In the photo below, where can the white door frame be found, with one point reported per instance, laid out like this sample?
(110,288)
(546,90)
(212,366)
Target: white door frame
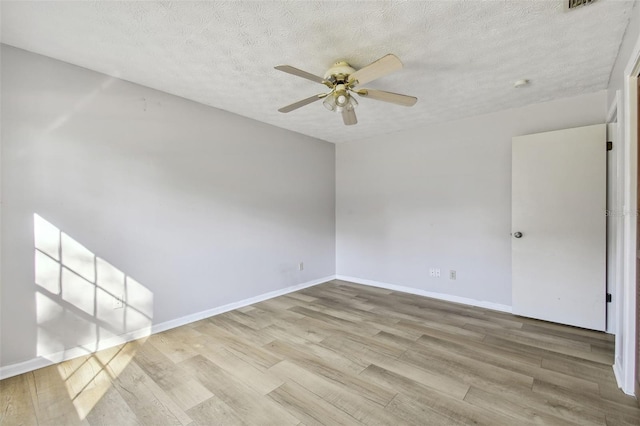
(614,220)
(624,366)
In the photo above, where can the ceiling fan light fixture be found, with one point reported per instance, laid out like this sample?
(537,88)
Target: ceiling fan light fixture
(339,103)
(351,104)
(340,100)
(329,103)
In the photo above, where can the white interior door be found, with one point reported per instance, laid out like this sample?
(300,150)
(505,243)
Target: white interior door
(559,226)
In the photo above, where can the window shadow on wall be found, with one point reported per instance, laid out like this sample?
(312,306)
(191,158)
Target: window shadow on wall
(85,304)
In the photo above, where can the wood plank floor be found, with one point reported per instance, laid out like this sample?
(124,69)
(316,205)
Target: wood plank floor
(337,353)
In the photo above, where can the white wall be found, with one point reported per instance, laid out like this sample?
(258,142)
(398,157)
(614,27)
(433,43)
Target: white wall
(195,206)
(440,196)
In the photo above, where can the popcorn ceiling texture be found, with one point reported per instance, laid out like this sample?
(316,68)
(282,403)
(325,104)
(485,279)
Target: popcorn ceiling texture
(461,57)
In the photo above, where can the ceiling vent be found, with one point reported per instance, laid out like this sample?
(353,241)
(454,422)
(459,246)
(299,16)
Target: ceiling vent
(575,4)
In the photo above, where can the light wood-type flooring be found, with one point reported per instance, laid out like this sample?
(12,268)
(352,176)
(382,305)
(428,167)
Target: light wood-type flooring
(337,353)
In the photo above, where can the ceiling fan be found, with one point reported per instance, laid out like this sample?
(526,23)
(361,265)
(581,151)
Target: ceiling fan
(342,79)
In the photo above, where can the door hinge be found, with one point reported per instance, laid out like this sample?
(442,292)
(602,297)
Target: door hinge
(609,146)
(608,297)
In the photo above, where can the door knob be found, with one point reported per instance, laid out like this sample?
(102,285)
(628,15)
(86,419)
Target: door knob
(517,234)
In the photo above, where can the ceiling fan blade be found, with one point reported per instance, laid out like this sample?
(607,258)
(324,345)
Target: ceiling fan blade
(302,103)
(383,66)
(349,117)
(394,98)
(295,71)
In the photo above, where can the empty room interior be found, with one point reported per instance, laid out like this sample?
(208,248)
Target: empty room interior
(319,212)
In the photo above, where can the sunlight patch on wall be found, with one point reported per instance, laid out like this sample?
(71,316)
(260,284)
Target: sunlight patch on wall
(84,302)
(80,104)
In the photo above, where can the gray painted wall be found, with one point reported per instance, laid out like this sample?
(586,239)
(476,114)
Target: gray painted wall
(177,206)
(440,196)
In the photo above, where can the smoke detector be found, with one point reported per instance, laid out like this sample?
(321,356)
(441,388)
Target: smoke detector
(575,4)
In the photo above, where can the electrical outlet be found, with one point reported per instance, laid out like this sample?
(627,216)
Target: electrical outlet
(118,302)
(452,274)
(432,272)
(437,272)
(301,266)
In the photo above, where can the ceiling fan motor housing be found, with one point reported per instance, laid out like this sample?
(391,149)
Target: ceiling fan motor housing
(339,71)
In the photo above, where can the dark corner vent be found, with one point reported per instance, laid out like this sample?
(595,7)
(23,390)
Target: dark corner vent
(574,4)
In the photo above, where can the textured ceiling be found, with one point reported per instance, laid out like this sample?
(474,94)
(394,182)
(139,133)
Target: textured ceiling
(461,57)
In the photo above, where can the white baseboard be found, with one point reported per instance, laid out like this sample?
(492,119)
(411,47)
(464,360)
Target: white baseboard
(440,296)
(44,361)
(235,305)
(617,371)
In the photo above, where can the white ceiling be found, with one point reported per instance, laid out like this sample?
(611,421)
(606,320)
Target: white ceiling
(461,57)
